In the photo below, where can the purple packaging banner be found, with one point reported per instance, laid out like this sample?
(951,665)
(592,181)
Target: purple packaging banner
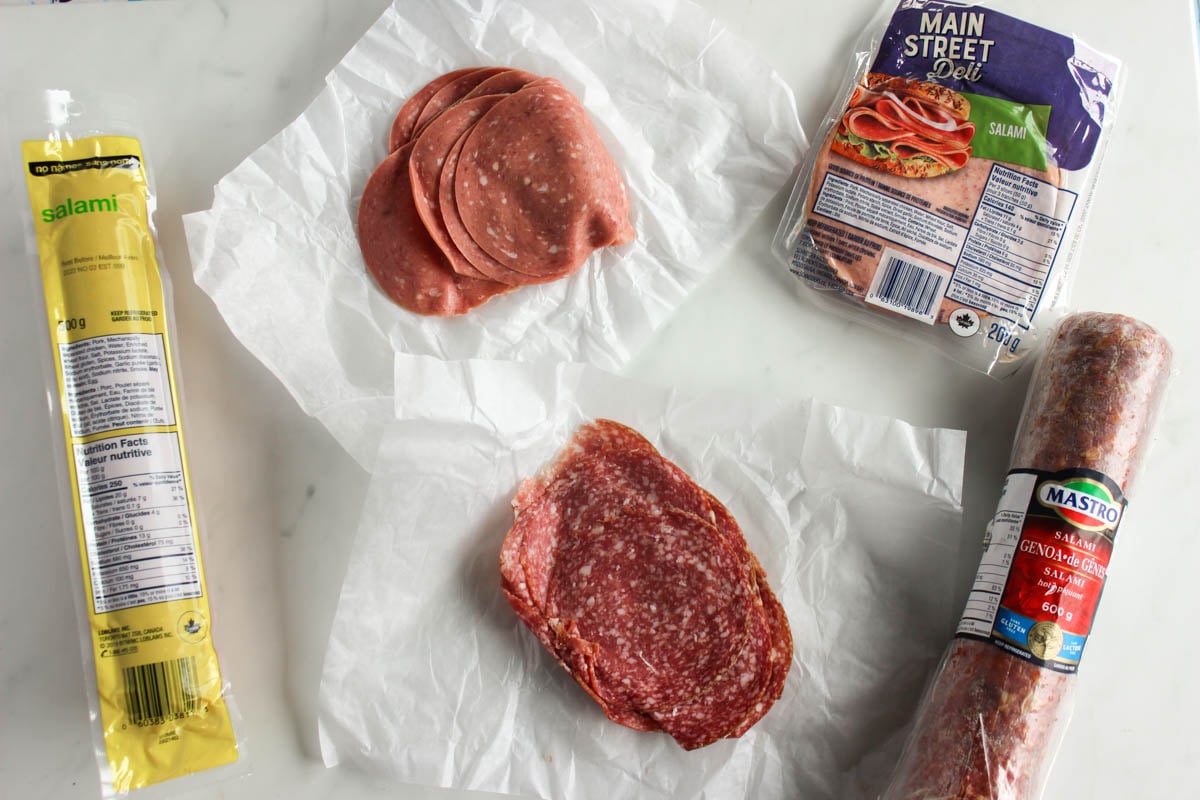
(974,49)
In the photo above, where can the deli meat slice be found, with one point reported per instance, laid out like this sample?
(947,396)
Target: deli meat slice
(475,140)
(406,118)
(535,185)
(430,153)
(641,585)
(453,91)
(399,253)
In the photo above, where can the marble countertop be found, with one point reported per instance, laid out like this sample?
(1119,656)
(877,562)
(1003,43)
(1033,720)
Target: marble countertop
(278,498)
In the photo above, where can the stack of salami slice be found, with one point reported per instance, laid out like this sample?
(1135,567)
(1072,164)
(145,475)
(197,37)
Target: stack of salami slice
(642,586)
(496,178)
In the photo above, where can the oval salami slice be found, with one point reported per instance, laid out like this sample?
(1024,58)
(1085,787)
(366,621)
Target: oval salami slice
(403,260)
(406,118)
(663,599)
(505,82)
(429,157)
(453,91)
(535,185)
(470,249)
(642,586)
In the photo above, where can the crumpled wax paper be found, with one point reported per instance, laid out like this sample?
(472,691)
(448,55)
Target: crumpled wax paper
(430,678)
(704,132)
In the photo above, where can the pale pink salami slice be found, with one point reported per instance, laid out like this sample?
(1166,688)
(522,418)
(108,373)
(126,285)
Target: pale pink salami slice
(453,91)
(403,260)
(535,186)
(406,118)
(470,249)
(429,156)
(505,82)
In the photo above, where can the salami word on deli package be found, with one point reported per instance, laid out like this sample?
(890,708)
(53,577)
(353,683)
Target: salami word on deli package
(665,88)
(948,196)
(431,676)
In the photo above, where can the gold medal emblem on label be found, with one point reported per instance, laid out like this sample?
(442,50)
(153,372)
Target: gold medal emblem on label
(1045,640)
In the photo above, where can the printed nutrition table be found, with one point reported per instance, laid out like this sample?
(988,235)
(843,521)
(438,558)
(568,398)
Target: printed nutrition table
(140,542)
(140,545)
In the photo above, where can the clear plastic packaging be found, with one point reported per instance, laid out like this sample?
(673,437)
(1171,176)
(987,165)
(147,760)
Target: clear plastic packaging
(993,716)
(946,197)
(159,706)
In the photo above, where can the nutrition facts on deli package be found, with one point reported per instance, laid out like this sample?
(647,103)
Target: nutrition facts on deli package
(1011,245)
(133,498)
(137,525)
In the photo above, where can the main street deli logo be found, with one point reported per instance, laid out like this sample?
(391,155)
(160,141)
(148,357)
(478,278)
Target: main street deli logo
(1086,504)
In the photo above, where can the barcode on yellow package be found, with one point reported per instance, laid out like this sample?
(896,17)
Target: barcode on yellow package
(159,697)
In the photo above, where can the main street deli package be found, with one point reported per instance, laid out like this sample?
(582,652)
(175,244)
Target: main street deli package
(702,131)
(947,199)
(430,677)
(160,708)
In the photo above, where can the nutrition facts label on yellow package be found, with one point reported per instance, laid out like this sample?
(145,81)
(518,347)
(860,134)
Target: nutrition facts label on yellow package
(159,694)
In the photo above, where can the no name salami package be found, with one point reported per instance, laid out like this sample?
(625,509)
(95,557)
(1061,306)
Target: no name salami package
(948,196)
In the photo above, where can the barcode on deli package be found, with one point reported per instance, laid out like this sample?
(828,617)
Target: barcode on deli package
(908,286)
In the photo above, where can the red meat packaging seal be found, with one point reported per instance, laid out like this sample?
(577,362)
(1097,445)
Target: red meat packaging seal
(702,131)
(947,194)
(430,677)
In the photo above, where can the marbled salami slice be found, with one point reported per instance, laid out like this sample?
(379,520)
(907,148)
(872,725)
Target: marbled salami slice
(700,658)
(663,598)
(406,118)
(535,185)
(728,700)
(403,260)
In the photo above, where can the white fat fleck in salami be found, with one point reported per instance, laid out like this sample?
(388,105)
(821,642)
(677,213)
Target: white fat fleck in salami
(401,257)
(528,136)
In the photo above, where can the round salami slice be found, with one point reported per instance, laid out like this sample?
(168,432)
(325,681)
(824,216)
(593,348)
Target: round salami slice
(727,701)
(453,91)
(535,186)
(779,659)
(663,599)
(619,563)
(406,118)
(462,240)
(403,260)
(429,153)
(505,82)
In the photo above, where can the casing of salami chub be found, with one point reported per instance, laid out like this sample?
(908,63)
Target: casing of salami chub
(999,702)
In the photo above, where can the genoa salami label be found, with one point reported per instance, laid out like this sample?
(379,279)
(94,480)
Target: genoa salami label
(1044,565)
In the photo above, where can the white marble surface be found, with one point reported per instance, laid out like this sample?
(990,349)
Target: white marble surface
(278,498)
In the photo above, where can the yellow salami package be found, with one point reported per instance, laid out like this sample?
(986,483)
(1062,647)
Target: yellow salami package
(160,707)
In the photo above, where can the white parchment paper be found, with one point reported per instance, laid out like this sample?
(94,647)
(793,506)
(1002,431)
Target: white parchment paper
(430,678)
(704,132)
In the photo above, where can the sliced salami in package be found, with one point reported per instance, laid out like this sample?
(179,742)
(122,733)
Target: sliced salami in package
(948,196)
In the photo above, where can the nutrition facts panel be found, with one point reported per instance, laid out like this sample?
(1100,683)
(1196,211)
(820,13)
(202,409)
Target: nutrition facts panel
(1012,244)
(983,603)
(137,526)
